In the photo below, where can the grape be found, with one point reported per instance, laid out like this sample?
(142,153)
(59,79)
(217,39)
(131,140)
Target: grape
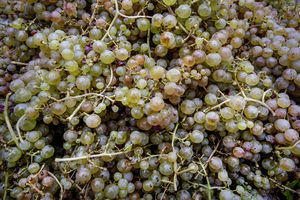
(237,103)
(213,59)
(282,125)
(166,168)
(287,164)
(170,2)
(33,136)
(183,11)
(204,10)
(107,57)
(143,24)
(97,185)
(14,154)
(188,107)
(111,191)
(47,151)
(227,113)
(93,121)
(83,175)
(216,163)
(83,83)
(196,136)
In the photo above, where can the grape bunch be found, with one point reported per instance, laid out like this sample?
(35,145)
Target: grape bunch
(149,99)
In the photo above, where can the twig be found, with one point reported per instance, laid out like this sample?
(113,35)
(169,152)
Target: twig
(212,153)
(5,185)
(18,127)
(110,81)
(217,106)
(174,136)
(39,170)
(254,100)
(283,186)
(207,180)
(36,189)
(264,95)
(7,121)
(61,187)
(76,110)
(18,63)
(148,43)
(113,20)
(89,156)
(289,147)
(134,17)
(261,103)
(175,163)
(80,96)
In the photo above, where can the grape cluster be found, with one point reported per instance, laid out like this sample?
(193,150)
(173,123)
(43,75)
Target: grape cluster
(157,99)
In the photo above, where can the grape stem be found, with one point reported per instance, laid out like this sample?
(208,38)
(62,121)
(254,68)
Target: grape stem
(254,100)
(18,127)
(148,43)
(217,106)
(6,175)
(110,81)
(35,188)
(212,154)
(283,186)
(18,63)
(175,163)
(89,156)
(7,121)
(289,147)
(61,187)
(207,180)
(80,96)
(76,110)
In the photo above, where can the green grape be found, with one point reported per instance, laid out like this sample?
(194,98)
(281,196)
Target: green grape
(47,152)
(196,136)
(87,138)
(107,57)
(213,59)
(111,191)
(143,24)
(33,136)
(287,164)
(33,168)
(67,54)
(210,99)
(83,83)
(14,154)
(97,185)
(183,11)
(188,107)
(148,185)
(252,79)
(173,75)
(99,46)
(166,168)
(93,121)
(170,2)
(168,40)
(204,10)
(227,113)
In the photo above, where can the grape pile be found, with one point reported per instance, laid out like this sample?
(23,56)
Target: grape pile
(149,99)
